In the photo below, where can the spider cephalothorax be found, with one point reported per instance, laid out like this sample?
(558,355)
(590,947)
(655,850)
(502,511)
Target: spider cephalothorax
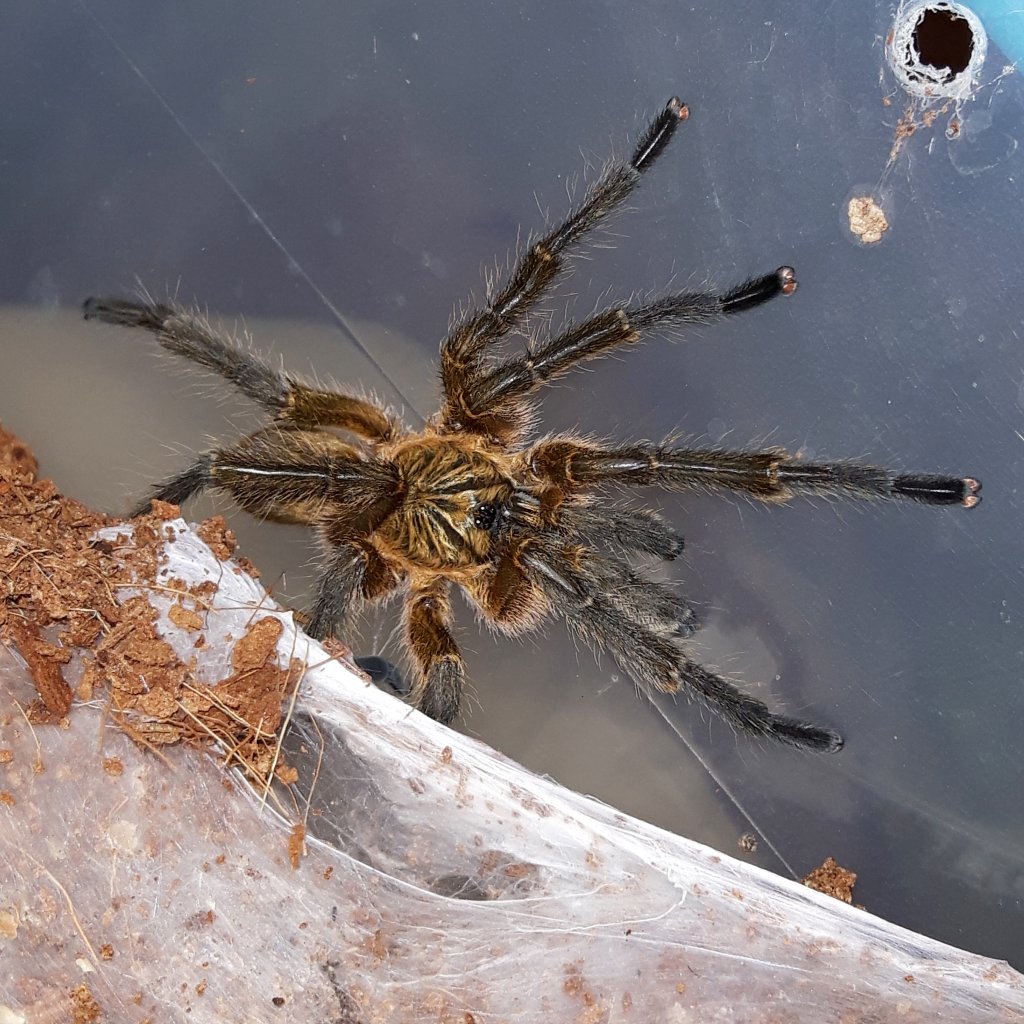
(527,531)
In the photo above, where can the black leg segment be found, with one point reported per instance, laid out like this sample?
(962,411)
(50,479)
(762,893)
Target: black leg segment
(338,592)
(180,488)
(536,270)
(650,650)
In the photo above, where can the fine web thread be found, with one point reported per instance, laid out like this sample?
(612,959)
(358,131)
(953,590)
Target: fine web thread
(336,314)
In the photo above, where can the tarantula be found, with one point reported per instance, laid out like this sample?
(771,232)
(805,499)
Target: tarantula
(527,530)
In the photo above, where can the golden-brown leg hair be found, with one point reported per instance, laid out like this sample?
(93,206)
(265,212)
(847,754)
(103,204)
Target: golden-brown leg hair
(768,475)
(534,272)
(507,598)
(380,579)
(440,673)
(310,406)
(186,333)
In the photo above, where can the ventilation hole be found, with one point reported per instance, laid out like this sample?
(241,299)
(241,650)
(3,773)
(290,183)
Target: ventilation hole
(936,49)
(944,41)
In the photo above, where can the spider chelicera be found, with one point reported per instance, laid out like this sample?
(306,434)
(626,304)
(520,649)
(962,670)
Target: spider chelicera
(526,530)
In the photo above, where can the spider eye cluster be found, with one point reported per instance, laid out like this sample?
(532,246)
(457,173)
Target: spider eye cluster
(484,515)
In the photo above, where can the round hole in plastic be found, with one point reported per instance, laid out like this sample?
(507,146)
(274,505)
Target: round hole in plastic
(944,40)
(936,48)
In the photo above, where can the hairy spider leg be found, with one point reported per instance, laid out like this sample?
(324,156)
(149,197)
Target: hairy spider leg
(353,573)
(577,586)
(639,599)
(630,530)
(770,475)
(338,591)
(292,475)
(533,273)
(610,329)
(440,673)
(292,400)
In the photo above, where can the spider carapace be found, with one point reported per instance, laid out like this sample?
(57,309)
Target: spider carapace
(528,530)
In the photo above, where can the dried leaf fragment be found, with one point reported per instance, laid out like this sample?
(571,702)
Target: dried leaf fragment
(259,643)
(44,661)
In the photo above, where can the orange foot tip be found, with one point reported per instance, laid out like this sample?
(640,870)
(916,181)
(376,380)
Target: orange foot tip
(971,496)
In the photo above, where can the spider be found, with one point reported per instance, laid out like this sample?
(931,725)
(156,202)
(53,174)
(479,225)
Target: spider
(526,529)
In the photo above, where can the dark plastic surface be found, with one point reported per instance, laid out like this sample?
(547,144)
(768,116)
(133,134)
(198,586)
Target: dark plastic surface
(346,170)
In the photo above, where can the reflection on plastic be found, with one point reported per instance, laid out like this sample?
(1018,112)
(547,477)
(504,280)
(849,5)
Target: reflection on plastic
(384,672)
(448,884)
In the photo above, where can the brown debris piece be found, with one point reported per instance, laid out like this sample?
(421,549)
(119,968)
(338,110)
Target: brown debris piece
(84,1008)
(296,844)
(905,127)
(832,880)
(51,575)
(144,677)
(185,618)
(164,510)
(63,590)
(259,643)
(255,697)
(908,125)
(244,565)
(43,661)
(157,703)
(17,464)
(83,629)
(218,537)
